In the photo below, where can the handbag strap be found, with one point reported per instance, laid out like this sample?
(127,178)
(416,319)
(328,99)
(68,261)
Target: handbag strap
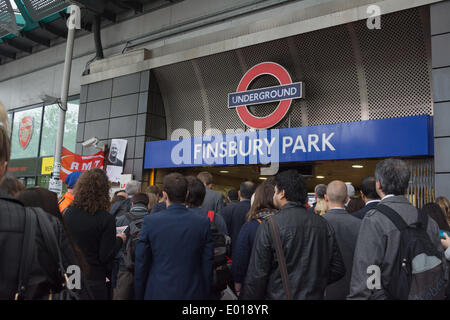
(280,256)
(48,234)
(50,239)
(28,252)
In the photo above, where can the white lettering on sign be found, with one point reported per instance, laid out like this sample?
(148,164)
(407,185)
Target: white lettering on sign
(86,166)
(312,142)
(287,142)
(278,93)
(240,146)
(299,145)
(326,142)
(74,166)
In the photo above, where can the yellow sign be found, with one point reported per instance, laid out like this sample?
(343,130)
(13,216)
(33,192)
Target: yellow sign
(47,165)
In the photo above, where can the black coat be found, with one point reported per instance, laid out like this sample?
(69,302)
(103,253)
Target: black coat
(313,258)
(362,212)
(346,228)
(95,235)
(44,268)
(234,216)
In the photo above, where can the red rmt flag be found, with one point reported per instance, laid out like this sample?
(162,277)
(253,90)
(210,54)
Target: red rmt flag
(71,162)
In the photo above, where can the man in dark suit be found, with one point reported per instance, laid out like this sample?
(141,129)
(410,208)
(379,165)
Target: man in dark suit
(214,201)
(234,214)
(174,254)
(346,228)
(369,195)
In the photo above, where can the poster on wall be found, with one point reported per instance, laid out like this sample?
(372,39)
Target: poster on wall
(116,158)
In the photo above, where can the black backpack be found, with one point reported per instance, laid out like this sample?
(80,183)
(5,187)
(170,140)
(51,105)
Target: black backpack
(222,273)
(420,270)
(133,233)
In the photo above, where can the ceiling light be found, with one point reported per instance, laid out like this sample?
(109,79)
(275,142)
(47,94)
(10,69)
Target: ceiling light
(348,183)
(262,178)
(357,166)
(320,177)
(224,171)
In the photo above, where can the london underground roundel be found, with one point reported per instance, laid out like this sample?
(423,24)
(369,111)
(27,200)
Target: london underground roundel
(284,93)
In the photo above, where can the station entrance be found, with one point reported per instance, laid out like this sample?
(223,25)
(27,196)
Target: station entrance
(420,191)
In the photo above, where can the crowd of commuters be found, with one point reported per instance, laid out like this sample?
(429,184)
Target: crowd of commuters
(187,241)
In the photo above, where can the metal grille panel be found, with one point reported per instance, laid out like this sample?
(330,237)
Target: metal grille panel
(421,184)
(332,92)
(39,9)
(398,80)
(7,19)
(178,84)
(215,84)
(393,61)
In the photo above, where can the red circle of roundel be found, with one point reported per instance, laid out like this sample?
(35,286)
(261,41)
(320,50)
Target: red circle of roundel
(273,69)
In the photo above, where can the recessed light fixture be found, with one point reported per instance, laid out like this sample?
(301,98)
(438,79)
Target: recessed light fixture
(224,171)
(357,166)
(320,177)
(262,178)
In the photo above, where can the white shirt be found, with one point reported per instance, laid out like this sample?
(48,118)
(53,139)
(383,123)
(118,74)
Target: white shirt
(372,201)
(335,208)
(387,196)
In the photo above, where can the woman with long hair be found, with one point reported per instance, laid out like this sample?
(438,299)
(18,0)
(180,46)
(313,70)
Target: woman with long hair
(94,229)
(444,203)
(262,208)
(434,211)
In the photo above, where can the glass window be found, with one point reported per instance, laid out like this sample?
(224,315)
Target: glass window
(26,133)
(50,128)
(30,182)
(10,115)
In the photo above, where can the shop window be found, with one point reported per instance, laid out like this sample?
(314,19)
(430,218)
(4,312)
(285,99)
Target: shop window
(10,115)
(26,133)
(50,125)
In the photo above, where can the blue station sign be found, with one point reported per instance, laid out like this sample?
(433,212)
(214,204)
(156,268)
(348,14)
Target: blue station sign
(407,136)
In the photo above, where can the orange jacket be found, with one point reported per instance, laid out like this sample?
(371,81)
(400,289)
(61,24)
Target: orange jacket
(65,201)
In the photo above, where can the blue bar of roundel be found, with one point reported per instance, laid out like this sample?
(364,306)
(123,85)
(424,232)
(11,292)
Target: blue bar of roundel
(296,85)
(403,137)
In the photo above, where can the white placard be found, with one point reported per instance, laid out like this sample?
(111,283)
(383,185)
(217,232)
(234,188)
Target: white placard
(55,186)
(116,158)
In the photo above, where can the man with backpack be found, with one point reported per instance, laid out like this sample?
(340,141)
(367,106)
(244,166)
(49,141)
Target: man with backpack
(398,253)
(29,267)
(222,273)
(122,207)
(133,223)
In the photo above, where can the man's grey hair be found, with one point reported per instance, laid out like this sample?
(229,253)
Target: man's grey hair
(393,175)
(350,190)
(320,190)
(132,187)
